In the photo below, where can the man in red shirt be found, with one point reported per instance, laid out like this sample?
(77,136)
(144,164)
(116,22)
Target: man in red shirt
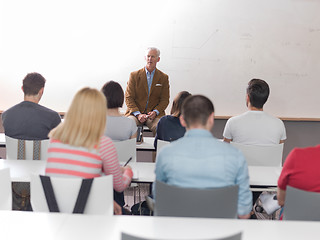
(301,170)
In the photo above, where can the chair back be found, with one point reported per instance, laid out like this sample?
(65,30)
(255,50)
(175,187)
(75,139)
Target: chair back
(126,236)
(160,145)
(5,187)
(261,155)
(126,149)
(66,190)
(193,202)
(26,149)
(301,205)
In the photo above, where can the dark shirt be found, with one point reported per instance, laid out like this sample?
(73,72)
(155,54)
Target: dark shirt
(29,121)
(169,129)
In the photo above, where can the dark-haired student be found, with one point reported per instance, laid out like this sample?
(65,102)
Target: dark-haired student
(118,127)
(255,127)
(199,160)
(29,120)
(169,127)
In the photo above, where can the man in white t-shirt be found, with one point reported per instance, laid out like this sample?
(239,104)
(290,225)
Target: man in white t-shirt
(255,127)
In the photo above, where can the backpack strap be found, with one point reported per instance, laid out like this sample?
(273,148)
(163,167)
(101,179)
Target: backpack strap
(36,150)
(83,195)
(51,199)
(48,191)
(21,151)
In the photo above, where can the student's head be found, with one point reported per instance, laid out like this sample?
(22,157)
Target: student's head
(177,103)
(85,120)
(114,94)
(197,112)
(33,83)
(258,93)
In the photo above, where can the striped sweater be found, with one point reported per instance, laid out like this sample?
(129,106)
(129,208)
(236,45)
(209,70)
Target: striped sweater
(69,161)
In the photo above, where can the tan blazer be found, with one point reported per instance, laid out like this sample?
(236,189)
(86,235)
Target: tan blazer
(136,95)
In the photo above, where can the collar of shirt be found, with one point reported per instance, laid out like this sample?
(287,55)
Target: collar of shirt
(150,73)
(198,133)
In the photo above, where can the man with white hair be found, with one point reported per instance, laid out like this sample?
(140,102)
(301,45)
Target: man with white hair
(147,93)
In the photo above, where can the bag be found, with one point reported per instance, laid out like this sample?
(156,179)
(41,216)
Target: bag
(141,208)
(21,190)
(21,196)
(266,207)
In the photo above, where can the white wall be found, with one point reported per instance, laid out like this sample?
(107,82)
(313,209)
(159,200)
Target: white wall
(212,47)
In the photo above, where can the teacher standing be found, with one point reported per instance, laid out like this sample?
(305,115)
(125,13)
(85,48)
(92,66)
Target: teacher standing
(147,93)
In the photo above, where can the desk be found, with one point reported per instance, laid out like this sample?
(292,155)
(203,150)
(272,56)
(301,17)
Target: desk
(146,145)
(2,140)
(53,226)
(259,176)
(21,170)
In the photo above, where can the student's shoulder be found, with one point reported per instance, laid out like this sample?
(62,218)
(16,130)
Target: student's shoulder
(273,118)
(15,110)
(46,109)
(237,118)
(105,142)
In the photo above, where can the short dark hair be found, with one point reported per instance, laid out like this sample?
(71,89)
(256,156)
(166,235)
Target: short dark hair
(196,109)
(32,83)
(258,92)
(177,103)
(114,94)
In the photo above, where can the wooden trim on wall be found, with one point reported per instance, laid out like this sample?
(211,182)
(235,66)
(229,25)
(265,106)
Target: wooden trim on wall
(227,117)
(282,118)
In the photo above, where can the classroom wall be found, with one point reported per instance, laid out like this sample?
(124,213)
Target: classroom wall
(210,47)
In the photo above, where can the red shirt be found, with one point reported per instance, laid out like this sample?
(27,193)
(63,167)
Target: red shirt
(302,170)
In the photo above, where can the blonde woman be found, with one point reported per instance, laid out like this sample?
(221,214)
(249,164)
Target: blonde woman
(79,149)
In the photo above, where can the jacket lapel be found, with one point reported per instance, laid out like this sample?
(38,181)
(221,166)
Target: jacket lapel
(143,76)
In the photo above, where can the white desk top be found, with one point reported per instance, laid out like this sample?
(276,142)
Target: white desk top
(53,226)
(2,140)
(259,176)
(146,145)
(21,170)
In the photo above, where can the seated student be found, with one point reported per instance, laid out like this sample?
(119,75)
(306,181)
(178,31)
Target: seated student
(255,127)
(300,170)
(169,127)
(199,160)
(29,120)
(118,127)
(78,148)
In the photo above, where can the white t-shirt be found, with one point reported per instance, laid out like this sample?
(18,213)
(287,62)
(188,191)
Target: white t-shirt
(255,128)
(120,128)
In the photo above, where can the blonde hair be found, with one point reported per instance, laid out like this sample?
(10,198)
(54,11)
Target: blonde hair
(85,120)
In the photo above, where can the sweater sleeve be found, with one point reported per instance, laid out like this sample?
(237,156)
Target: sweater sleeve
(287,170)
(111,165)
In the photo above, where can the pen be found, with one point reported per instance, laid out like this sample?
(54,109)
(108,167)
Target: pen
(127,161)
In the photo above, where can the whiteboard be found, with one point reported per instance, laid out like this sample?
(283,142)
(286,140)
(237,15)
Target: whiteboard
(210,47)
